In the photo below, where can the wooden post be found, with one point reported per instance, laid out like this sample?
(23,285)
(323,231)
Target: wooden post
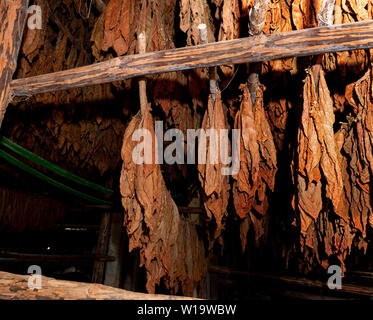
(324,18)
(142,83)
(13,16)
(257,19)
(98,275)
(102,247)
(212,71)
(114,269)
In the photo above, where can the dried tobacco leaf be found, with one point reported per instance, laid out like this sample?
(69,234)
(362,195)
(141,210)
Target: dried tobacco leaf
(258,158)
(248,176)
(317,155)
(215,183)
(347,11)
(34,38)
(358,147)
(278,19)
(229,27)
(192,14)
(153,221)
(119,29)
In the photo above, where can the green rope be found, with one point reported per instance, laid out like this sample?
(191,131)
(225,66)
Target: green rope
(50,166)
(49,180)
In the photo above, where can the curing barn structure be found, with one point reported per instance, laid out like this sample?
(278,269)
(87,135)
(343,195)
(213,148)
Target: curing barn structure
(108,187)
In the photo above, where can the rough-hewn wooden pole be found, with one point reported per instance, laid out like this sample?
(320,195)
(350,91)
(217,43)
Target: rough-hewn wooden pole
(142,82)
(352,36)
(13,16)
(15,287)
(102,247)
(324,18)
(256,23)
(212,71)
(114,269)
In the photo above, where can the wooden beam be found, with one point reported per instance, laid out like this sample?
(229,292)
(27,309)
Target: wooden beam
(12,21)
(353,36)
(15,287)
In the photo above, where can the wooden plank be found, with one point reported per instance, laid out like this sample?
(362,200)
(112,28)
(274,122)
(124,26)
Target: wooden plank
(353,36)
(12,21)
(15,287)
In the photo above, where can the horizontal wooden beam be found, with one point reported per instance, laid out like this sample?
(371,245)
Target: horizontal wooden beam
(353,36)
(15,287)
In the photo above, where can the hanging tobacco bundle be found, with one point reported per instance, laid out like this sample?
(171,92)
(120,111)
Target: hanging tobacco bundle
(332,173)
(214,181)
(86,138)
(358,148)
(258,164)
(316,156)
(170,248)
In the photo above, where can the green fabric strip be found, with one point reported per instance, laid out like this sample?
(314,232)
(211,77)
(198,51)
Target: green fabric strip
(49,180)
(50,166)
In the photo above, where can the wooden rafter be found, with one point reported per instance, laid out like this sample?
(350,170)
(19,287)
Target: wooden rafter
(353,36)
(12,21)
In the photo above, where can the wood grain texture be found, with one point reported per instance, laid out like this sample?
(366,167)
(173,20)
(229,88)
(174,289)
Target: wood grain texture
(15,287)
(257,17)
(256,23)
(305,42)
(102,247)
(12,21)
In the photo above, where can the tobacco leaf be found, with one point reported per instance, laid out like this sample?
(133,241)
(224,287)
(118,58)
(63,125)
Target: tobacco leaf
(214,182)
(34,39)
(248,176)
(303,13)
(192,14)
(258,162)
(358,147)
(153,221)
(347,11)
(316,155)
(119,28)
(74,131)
(278,19)
(229,15)
(277,112)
